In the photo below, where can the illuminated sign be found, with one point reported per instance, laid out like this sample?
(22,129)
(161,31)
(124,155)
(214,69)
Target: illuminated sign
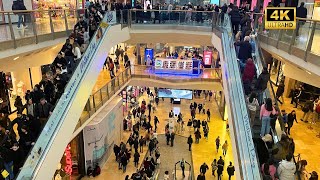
(280,18)
(207,57)
(68,157)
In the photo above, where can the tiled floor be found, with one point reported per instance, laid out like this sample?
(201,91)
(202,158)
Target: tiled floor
(42,27)
(305,138)
(202,152)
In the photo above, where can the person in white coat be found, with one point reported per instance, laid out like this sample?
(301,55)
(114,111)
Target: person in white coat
(286,169)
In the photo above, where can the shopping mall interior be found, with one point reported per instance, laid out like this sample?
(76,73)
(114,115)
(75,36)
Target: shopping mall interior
(158,90)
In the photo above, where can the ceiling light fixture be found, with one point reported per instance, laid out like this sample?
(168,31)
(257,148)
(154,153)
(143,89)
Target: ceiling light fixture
(54,47)
(308,72)
(16,58)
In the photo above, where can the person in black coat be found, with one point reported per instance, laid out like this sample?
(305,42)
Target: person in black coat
(301,13)
(136,158)
(291,118)
(26,140)
(245,50)
(235,19)
(18,157)
(136,144)
(262,81)
(280,92)
(37,94)
(190,141)
(220,164)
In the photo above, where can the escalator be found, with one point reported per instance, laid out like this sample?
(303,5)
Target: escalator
(247,151)
(43,159)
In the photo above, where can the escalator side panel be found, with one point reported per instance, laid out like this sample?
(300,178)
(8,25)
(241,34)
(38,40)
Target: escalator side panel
(41,164)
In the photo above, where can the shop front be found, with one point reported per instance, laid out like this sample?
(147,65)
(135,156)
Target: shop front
(102,133)
(72,162)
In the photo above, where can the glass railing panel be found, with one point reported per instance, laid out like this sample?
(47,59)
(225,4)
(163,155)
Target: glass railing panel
(303,34)
(25,28)
(315,48)
(5,30)
(286,36)
(71,18)
(58,20)
(43,22)
(174,17)
(273,34)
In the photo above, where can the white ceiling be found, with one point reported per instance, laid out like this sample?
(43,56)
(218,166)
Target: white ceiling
(30,59)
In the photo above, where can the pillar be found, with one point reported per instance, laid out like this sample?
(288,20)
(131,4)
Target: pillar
(171,49)
(288,85)
(138,54)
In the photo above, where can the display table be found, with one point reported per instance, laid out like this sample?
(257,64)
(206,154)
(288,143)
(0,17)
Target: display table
(177,66)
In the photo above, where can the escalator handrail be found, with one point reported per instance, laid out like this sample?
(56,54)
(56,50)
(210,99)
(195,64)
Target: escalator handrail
(240,113)
(31,165)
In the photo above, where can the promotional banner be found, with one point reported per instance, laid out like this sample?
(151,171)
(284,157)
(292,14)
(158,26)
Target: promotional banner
(100,136)
(207,58)
(148,54)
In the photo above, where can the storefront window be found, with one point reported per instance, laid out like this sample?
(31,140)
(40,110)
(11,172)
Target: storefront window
(52,4)
(70,164)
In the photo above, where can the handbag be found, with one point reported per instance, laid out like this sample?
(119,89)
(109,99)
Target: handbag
(4,173)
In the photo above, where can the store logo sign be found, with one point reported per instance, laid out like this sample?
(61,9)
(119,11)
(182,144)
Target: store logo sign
(111,17)
(68,167)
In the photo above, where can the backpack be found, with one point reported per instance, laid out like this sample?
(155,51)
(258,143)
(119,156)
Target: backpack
(89,171)
(318,108)
(96,171)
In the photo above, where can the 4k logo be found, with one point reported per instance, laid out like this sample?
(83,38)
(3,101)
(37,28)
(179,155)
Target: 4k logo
(280,18)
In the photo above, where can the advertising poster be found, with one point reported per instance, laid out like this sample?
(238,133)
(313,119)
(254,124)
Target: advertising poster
(148,54)
(100,136)
(207,58)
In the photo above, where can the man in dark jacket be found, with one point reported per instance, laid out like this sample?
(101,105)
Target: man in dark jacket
(301,13)
(44,110)
(220,164)
(262,81)
(81,24)
(230,170)
(280,92)
(19,6)
(235,19)
(291,118)
(245,51)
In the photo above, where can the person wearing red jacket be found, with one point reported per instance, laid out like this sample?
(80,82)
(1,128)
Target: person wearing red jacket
(249,71)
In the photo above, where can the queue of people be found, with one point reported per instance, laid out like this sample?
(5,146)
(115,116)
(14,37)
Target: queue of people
(280,160)
(40,102)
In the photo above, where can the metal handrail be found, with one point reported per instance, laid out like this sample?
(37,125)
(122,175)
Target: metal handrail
(26,11)
(299,18)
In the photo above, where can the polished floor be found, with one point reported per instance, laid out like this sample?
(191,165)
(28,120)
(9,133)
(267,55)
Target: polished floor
(41,26)
(306,138)
(202,152)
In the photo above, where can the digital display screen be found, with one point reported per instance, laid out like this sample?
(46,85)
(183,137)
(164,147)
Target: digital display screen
(175,93)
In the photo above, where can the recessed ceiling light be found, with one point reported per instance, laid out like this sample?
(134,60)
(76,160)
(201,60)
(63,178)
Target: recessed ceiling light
(308,72)
(16,58)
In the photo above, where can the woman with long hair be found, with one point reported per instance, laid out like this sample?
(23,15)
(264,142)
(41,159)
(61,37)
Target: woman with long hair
(267,112)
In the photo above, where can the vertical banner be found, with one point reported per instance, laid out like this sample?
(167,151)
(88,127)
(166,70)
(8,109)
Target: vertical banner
(207,58)
(101,134)
(148,54)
